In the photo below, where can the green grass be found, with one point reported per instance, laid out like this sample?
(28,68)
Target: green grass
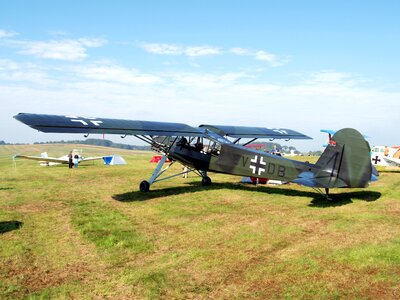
(89,233)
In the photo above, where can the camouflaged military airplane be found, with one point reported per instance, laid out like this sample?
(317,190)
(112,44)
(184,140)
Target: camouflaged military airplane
(345,163)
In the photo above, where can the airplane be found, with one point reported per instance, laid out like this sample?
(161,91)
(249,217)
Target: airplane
(45,160)
(291,153)
(385,156)
(345,162)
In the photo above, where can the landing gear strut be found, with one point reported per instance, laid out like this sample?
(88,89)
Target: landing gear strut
(206,181)
(327,195)
(145,185)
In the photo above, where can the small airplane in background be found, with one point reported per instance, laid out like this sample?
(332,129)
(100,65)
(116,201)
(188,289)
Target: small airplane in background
(385,156)
(46,161)
(345,162)
(291,153)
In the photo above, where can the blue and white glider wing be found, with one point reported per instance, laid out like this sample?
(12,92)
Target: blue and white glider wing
(44,159)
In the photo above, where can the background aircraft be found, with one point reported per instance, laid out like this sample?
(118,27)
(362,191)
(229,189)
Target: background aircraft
(385,156)
(45,160)
(344,163)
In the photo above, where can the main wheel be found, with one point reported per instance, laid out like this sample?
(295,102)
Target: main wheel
(144,186)
(206,181)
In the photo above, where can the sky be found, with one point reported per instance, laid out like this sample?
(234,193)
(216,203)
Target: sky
(303,65)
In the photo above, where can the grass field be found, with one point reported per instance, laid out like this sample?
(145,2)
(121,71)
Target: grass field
(89,233)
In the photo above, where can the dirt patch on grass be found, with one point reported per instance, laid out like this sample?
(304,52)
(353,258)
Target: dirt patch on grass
(57,256)
(394,208)
(35,278)
(36,207)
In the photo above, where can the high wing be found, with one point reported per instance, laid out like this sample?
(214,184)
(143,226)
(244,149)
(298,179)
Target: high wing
(86,125)
(60,160)
(255,132)
(44,159)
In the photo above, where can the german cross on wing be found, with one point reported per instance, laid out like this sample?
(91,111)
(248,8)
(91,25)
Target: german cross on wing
(84,120)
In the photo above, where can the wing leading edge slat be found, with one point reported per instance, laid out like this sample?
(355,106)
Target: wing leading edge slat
(255,132)
(76,124)
(86,125)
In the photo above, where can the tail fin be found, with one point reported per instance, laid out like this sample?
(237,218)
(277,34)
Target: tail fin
(345,161)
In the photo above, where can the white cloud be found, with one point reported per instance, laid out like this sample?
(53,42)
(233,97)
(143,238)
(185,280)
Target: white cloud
(66,49)
(162,49)
(117,74)
(331,84)
(330,77)
(261,55)
(7,65)
(7,34)
(240,51)
(203,80)
(192,51)
(265,56)
(26,72)
(171,49)
(201,51)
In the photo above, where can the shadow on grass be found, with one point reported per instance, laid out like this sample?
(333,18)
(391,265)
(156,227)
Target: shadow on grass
(6,188)
(345,198)
(318,200)
(389,171)
(6,226)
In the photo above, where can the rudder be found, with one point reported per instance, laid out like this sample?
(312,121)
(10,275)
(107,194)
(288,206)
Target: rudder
(345,161)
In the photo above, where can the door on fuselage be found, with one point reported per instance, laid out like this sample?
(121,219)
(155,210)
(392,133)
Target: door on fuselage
(195,152)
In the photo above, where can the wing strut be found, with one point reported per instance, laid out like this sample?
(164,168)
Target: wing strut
(249,142)
(145,185)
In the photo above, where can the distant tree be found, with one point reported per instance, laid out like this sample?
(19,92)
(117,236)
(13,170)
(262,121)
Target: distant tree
(314,153)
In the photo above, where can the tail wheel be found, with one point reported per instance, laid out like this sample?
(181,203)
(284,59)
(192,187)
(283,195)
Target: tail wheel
(144,186)
(206,181)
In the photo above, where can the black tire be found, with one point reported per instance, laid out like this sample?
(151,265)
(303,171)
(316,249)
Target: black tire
(144,186)
(206,181)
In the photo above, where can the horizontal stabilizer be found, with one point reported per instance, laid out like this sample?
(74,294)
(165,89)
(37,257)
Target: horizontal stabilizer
(332,132)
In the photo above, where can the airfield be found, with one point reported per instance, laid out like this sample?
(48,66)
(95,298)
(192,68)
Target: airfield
(90,233)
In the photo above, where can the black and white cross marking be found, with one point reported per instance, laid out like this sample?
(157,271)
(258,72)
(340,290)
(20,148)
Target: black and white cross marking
(256,164)
(376,159)
(84,122)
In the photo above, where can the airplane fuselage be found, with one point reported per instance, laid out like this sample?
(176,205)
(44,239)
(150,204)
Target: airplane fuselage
(241,161)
